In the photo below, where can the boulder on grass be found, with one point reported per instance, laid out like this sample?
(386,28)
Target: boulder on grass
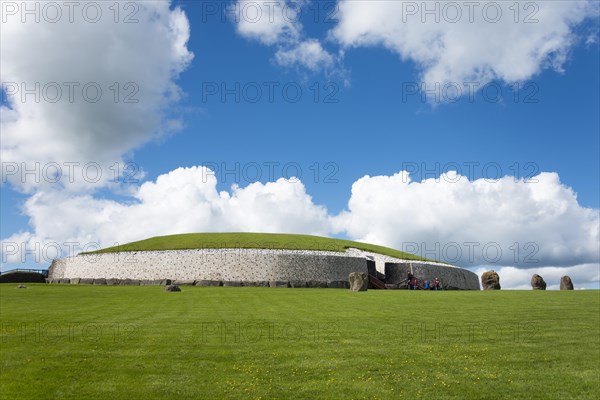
(537,282)
(316,284)
(490,280)
(99,281)
(172,288)
(86,281)
(279,284)
(358,281)
(566,283)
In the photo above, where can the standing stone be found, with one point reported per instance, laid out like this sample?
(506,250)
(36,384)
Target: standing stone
(537,282)
(566,283)
(490,280)
(358,281)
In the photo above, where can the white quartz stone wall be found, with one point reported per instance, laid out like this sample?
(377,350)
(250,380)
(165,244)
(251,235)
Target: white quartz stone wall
(252,265)
(381,259)
(246,265)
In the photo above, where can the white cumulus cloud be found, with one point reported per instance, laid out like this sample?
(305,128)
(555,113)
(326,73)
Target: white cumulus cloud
(268,22)
(85,84)
(278,24)
(309,53)
(464,42)
(181,201)
(469,223)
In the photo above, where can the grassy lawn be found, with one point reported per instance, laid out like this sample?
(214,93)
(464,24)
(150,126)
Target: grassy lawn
(245,240)
(128,342)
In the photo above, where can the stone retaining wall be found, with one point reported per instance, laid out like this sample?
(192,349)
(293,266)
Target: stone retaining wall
(240,267)
(252,266)
(451,277)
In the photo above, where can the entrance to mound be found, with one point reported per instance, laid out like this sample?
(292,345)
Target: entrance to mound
(396,273)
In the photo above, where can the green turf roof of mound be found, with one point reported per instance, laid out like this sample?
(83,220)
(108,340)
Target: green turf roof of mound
(253,241)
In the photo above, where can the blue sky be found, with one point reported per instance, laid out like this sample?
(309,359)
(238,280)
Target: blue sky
(359,115)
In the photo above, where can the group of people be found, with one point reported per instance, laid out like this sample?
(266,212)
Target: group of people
(415,284)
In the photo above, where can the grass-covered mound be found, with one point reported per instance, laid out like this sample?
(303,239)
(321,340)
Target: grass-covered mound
(140,342)
(248,240)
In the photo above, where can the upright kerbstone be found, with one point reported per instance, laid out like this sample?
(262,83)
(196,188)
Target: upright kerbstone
(205,282)
(338,284)
(490,280)
(566,283)
(279,284)
(358,281)
(537,282)
(150,282)
(298,284)
(184,282)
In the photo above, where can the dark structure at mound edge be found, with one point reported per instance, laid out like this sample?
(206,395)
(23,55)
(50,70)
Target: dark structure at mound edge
(219,264)
(21,276)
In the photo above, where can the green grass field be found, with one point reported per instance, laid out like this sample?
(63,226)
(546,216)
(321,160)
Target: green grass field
(246,240)
(128,342)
